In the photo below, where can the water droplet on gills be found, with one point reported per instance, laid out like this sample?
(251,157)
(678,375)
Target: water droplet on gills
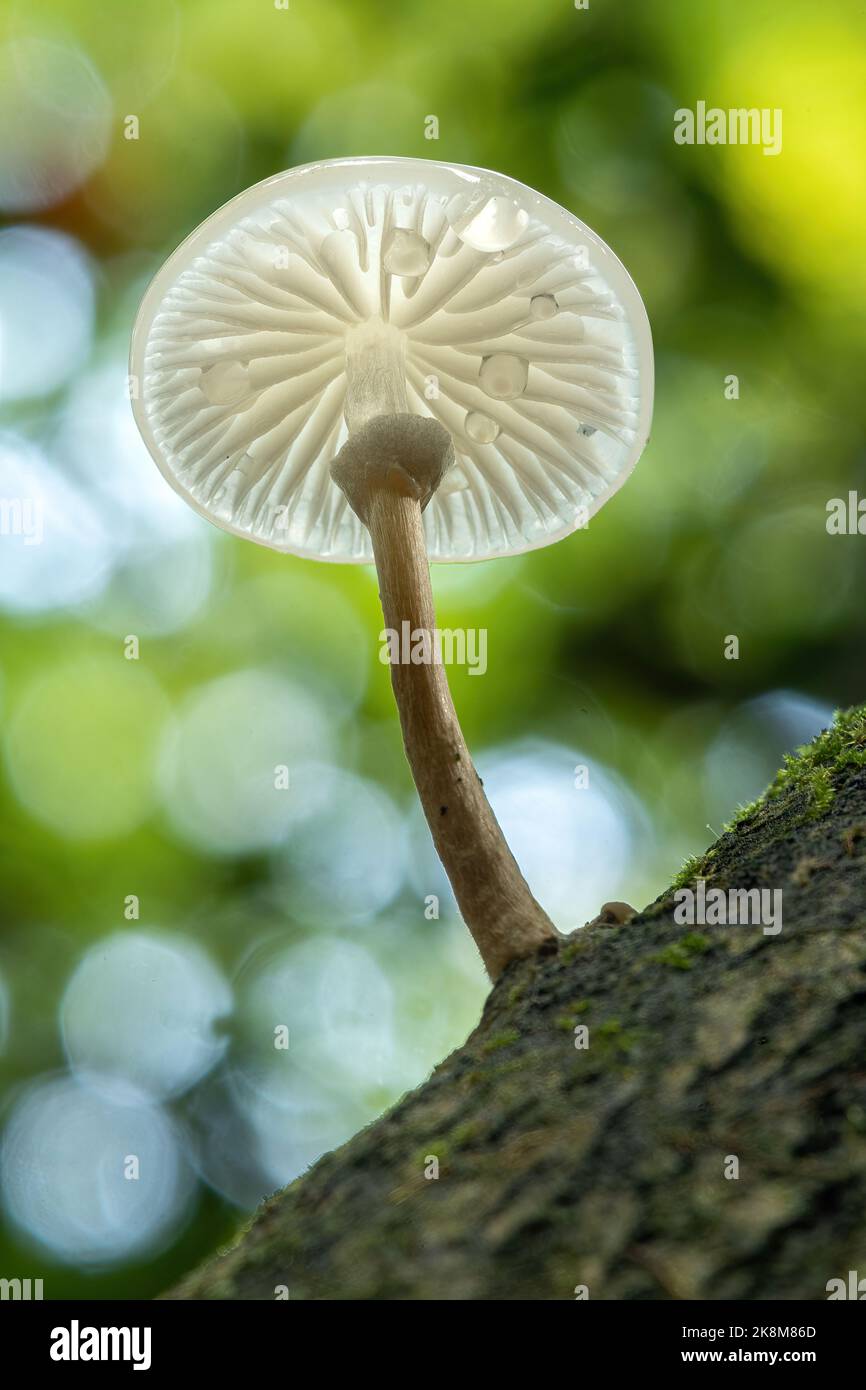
(481,428)
(494,224)
(406,252)
(543,306)
(225,383)
(504,376)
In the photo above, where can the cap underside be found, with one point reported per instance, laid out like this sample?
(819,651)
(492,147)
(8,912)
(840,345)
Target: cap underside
(518,329)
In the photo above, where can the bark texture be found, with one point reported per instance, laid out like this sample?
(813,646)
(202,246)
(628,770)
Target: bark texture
(605,1167)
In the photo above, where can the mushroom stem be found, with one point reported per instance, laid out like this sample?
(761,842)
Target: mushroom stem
(492,894)
(389,468)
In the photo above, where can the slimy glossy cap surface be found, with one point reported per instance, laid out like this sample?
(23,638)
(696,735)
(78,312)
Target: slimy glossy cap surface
(517,327)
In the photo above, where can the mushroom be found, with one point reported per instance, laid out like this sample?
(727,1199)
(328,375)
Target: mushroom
(401,360)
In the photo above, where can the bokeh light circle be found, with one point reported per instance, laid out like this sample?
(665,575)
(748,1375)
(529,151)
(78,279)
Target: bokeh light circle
(337,1004)
(46,310)
(163,552)
(55,122)
(345,858)
(142,1008)
(57,552)
(226,767)
(66,1163)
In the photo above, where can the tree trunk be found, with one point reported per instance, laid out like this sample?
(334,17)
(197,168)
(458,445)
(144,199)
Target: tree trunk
(711,1050)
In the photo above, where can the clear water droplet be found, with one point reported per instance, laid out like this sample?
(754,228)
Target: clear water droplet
(225,383)
(504,376)
(406,252)
(481,428)
(543,306)
(494,224)
(588,431)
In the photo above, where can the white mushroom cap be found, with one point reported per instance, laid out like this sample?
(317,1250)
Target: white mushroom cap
(516,327)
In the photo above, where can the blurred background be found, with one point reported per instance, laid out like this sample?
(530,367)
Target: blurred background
(168,919)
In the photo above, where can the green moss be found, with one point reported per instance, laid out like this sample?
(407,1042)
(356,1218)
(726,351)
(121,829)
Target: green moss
(675,957)
(696,941)
(680,955)
(501,1040)
(609,1029)
(573,949)
(437,1148)
(856,1117)
(463,1135)
(744,813)
(569,1018)
(506,1068)
(696,866)
(611,1038)
(809,772)
(515,994)
(688,871)
(222,1290)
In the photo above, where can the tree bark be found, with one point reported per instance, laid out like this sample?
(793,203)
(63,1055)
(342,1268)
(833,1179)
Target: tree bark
(605,1166)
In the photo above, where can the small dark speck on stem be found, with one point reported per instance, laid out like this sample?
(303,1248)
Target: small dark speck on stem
(443,810)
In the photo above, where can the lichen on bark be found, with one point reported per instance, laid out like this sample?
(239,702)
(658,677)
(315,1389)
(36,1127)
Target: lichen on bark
(604,1166)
